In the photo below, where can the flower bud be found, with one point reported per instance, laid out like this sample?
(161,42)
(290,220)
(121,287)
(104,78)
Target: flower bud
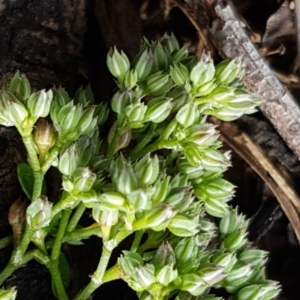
(18,113)
(157,84)
(255,257)
(235,241)
(215,207)
(179,74)
(143,64)
(139,200)
(19,84)
(84,179)
(158,109)
(257,292)
(5,116)
(229,223)
(193,284)
(8,294)
(170,43)
(117,63)
(124,140)
(86,122)
(227,71)
(223,259)
(238,275)
(89,199)
(185,249)
(38,213)
(129,261)
(188,115)
(44,136)
(166,275)
(164,255)
(154,217)
(124,179)
(225,114)
(70,119)
(202,135)
(101,113)
(106,218)
(67,184)
(182,226)
(111,200)
(203,71)
(120,100)
(69,161)
(130,79)
(160,58)
(39,103)
(218,189)
(176,197)
(145,275)
(136,112)
(193,155)
(16,218)
(214,160)
(191,171)
(179,55)
(161,189)
(147,169)
(211,275)
(205,89)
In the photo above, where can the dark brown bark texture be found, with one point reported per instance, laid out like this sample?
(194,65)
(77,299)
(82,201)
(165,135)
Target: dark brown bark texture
(57,43)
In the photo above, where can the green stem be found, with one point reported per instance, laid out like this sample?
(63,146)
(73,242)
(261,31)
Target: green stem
(17,256)
(57,280)
(97,277)
(52,156)
(38,184)
(6,241)
(137,240)
(38,256)
(55,254)
(122,235)
(76,217)
(18,253)
(83,233)
(60,234)
(9,269)
(113,273)
(32,155)
(145,140)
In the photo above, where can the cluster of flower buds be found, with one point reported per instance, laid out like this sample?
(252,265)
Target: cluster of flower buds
(23,113)
(215,192)
(177,266)
(243,265)
(76,164)
(174,81)
(143,198)
(74,120)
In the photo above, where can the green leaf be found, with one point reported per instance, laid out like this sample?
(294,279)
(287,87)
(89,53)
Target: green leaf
(26,178)
(64,269)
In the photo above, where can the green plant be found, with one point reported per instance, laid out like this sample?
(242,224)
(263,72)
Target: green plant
(187,239)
